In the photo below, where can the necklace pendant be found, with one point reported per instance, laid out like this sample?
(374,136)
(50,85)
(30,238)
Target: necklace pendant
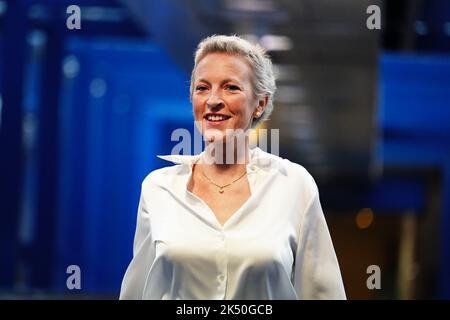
(220,190)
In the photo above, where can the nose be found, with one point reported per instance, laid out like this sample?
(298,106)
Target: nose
(214,102)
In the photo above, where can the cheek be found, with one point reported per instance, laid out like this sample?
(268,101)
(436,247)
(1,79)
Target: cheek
(244,108)
(241,106)
(197,106)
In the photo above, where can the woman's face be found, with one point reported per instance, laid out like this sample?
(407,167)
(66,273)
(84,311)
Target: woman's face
(223,97)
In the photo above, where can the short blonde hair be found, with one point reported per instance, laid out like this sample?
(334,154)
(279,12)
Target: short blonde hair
(254,54)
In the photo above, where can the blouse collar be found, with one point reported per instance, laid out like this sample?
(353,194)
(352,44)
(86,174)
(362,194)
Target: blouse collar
(258,160)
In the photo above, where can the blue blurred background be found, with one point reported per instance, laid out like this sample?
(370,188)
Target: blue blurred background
(83,114)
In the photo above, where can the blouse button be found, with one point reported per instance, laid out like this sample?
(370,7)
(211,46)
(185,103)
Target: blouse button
(221,277)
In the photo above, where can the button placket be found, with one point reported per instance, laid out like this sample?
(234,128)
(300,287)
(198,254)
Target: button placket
(223,269)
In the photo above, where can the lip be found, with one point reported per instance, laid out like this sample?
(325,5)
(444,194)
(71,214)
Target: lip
(216,123)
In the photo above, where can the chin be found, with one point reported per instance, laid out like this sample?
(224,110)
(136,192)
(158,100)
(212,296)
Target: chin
(214,135)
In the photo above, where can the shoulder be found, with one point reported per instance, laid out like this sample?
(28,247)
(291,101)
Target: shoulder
(300,172)
(292,170)
(304,181)
(295,179)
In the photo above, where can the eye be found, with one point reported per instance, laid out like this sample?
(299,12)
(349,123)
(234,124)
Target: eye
(200,88)
(232,87)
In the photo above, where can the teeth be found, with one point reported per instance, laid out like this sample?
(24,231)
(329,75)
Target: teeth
(215,118)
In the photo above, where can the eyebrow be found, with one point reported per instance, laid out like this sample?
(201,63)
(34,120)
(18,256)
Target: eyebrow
(222,82)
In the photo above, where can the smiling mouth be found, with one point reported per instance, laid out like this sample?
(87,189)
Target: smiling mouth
(216,117)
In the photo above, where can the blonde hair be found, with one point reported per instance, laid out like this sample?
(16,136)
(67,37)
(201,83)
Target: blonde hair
(254,54)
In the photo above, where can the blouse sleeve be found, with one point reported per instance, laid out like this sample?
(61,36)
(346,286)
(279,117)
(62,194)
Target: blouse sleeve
(135,277)
(316,271)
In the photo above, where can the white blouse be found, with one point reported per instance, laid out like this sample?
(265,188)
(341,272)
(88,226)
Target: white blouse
(275,246)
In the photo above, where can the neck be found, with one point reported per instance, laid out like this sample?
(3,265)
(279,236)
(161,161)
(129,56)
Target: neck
(227,156)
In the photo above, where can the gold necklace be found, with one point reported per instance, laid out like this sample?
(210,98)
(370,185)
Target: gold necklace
(225,185)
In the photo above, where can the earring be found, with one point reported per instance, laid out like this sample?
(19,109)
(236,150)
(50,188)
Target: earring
(257,114)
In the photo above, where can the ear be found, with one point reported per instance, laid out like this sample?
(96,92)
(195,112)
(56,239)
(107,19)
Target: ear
(262,104)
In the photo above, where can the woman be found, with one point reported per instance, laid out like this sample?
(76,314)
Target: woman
(249,228)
